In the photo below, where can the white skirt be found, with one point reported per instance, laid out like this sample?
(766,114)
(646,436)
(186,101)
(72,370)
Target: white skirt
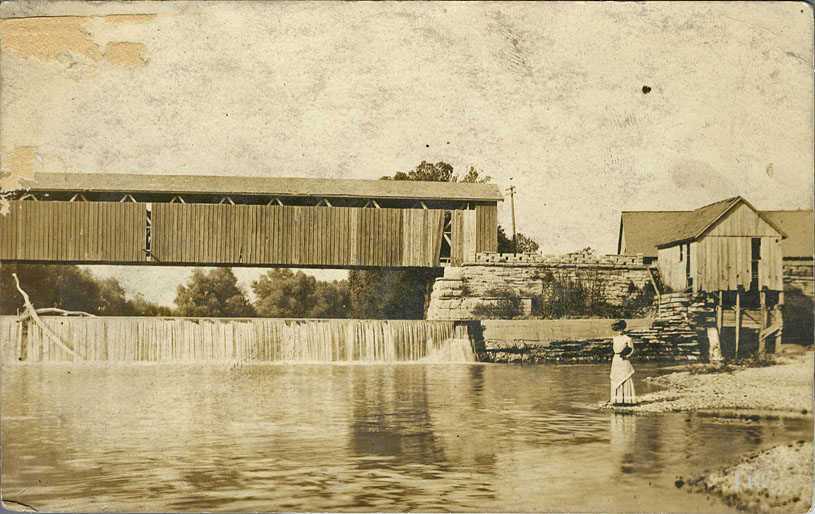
(624,393)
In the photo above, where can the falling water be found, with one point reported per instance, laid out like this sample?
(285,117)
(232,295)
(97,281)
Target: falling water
(112,339)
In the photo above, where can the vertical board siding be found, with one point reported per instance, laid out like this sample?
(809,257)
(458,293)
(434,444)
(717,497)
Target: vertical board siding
(463,237)
(74,231)
(180,233)
(671,268)
(725,263)
(487,226)
(296,235)
(743,222)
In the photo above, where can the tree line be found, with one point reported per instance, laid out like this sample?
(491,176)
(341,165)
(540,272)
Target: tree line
(215,292)
(279,293)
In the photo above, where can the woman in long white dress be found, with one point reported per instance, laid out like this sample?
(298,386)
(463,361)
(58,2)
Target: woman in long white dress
(622,382)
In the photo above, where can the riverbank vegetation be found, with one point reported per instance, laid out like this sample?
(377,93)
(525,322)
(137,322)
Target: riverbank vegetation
(566,297)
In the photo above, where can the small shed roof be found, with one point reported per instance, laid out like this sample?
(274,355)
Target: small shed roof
(273,186)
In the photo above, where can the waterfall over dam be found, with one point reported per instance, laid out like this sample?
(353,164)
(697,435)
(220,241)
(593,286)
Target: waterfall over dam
(143,339)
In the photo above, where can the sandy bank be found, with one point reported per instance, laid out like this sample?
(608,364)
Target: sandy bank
(785,388)
(776,480)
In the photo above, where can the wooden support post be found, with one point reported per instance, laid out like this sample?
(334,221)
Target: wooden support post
(762,338)
(714,346)
(738,322)
(720,312)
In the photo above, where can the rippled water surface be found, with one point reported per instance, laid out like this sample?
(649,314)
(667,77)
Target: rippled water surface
(425,437)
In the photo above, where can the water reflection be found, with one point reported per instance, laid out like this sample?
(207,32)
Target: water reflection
(339,438)
(622,436)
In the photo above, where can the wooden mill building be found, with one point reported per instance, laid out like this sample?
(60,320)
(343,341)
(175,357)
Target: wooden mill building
(727,249)
(248,221)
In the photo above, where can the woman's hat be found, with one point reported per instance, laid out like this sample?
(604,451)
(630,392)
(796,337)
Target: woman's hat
(618,325)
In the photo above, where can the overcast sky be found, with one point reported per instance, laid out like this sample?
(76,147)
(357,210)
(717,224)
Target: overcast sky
(547,94)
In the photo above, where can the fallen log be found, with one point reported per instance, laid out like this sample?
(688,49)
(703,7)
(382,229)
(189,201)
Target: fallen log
(32,313)
(54,310)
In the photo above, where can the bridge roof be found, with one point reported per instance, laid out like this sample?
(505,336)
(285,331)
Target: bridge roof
(271,186)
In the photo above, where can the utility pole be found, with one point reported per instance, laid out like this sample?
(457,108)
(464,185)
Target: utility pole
(511,191)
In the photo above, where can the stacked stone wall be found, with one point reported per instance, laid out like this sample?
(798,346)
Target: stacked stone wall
(799,293)
(798,277)
(461,290)
(675,334)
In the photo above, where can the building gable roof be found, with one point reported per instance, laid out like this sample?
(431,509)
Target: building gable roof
(645,231)
(696,222)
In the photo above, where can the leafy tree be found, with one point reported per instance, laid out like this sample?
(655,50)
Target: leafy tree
(390,294)
(66,287)
(215,294)
(525,243)
(439,172)
(281,293)
(141,307)
(112,298)
(475,176)
(71,288)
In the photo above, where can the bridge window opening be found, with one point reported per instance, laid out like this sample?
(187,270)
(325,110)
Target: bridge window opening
(148,232)
(219,199)
(446,252)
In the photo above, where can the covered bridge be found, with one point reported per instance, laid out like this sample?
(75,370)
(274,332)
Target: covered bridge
(248,221)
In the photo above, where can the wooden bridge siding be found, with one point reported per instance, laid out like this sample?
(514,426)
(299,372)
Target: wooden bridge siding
(73,232)
(228,234)
(295,235)
(464,237)
(487,226)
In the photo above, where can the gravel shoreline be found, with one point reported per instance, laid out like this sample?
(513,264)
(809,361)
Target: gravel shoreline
(784,388)
(776,480)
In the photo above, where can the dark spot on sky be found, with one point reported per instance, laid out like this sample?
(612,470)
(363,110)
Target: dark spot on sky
(427,146)
(448,142)
(646,89)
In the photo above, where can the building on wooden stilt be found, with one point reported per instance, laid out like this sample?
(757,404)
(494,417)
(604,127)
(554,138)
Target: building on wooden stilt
(727,250)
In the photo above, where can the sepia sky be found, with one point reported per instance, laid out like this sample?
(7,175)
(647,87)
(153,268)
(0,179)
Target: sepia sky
(548,94)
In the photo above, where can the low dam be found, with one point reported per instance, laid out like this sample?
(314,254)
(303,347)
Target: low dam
(146,339)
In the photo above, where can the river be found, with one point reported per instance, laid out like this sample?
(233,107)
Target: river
(352,437)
